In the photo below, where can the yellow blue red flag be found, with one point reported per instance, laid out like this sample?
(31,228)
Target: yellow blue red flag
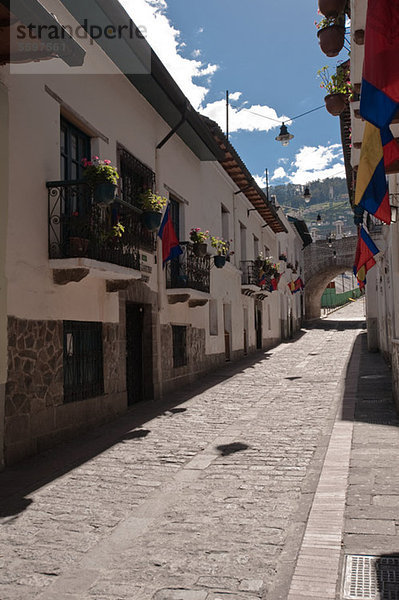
(379,150)
(380,84)
(365,252)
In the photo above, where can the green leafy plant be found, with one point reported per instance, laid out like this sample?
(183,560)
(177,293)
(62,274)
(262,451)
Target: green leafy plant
(152,202)
(197,236)
(270,266)
(337,83)
(326,22)
(221,246)
(98,171)
(114,234)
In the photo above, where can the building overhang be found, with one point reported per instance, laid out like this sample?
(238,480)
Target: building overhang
(238,172)
(134,57)
(52,42)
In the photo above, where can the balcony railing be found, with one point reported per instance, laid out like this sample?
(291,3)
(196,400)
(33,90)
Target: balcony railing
(189,270)
(254,274)
(78,227)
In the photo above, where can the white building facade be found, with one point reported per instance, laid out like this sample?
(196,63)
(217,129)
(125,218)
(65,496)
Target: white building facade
(382,289)
(85,333)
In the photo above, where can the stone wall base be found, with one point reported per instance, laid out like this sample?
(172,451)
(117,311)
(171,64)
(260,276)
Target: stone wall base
(198,362)
(36,416)
(57,424)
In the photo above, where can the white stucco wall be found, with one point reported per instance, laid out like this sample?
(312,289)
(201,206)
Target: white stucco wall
(110,105)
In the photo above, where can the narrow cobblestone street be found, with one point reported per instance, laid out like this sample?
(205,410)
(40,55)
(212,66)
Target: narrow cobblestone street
(204,496)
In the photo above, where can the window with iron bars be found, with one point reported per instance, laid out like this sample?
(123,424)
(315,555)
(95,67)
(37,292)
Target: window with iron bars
(83,360)
(135,177)
(179,335)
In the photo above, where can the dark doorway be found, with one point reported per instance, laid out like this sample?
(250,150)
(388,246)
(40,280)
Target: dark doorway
(134,353)
(258,325)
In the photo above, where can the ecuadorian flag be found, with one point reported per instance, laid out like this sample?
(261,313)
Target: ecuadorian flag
(379,150)
(365,252)
(170,244)
(380,85)
(379,102)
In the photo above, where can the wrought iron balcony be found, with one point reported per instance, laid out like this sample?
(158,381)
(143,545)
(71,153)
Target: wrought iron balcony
(189,270)
(78,227)
(254,275)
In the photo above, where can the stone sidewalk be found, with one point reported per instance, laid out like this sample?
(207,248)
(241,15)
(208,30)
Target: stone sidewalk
(205,496)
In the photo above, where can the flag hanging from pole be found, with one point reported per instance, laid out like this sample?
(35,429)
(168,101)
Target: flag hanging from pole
(379,102)
(170,244)
(379,150)
(365,252)
(380,83)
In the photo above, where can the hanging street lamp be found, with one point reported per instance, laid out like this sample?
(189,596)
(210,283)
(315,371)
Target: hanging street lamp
(284,136)
(307,195)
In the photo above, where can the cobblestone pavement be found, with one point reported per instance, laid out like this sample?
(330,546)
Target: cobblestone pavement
(204,496)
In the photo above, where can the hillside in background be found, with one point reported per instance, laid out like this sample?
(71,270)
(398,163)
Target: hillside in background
(329,199)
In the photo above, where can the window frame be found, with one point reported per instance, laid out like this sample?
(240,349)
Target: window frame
(67,161)
(83,349)
(179,346)
(129,190)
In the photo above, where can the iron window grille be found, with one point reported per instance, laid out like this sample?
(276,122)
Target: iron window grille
(179,338)
(79,227)
(254,273)
(83,360)
(135,177)
(189,270)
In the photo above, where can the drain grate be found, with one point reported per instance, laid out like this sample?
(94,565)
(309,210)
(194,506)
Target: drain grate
(371,578)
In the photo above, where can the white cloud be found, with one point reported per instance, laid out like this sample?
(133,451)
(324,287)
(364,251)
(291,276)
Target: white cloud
(310,164)
(279,173)
(255,118)
(165,40)
(319,162)
(260,180)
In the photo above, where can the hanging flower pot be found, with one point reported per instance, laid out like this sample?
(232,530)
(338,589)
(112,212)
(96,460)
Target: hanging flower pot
(335,103)
(219,260)
(331,39)
(200,249)
(105,193)
(151,220)
(331,8)
(102,178)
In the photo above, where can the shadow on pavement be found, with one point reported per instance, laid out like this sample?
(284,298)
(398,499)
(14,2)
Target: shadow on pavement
(227,449)
(328,325)
(374,401)
(18,481)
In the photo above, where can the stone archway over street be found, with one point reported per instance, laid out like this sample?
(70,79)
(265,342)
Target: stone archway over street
(322,264)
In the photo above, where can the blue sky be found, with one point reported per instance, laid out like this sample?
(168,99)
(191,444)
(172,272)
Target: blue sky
(266,53)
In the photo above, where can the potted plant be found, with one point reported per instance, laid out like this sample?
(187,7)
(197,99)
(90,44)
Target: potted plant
(199,238)
(152,206)
(332,8)
(222,248)
(102,178)
(270,267)
(338,87)
(110,241)
(78,241)
(331,34)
